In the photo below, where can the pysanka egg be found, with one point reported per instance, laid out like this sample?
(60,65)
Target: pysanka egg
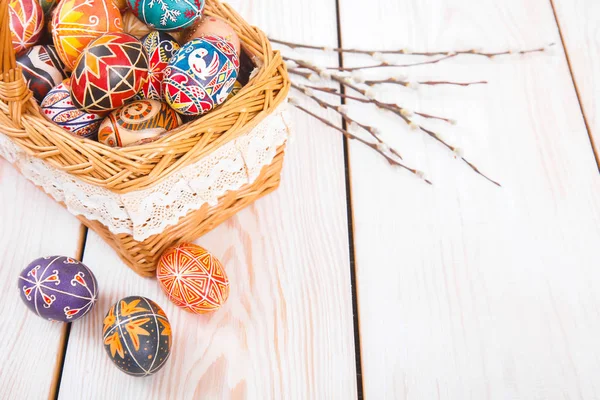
(26,23)
(141,120)
(214,26)
(58,288)
(167,15)
(110,71)
(137,336)
(160,48)
(193,278)
(42,70)
(201,75)
(58,107)
(77,22)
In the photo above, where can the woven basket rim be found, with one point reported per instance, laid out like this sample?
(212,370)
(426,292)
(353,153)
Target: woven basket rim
(122,170)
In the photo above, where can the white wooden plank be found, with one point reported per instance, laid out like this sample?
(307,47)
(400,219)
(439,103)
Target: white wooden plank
(466,290)
(286,330)
(31,226)
(578,22)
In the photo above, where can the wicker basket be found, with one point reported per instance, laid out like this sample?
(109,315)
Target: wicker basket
(124,170)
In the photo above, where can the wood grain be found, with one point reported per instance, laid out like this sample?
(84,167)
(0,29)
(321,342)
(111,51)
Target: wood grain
(31,226)
(286,330)
(578,21)
(468,291)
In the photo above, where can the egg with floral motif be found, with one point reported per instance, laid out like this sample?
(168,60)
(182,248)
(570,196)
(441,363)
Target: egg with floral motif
(160,48)
(59,108)
(58,288)
(167,15)
(201,75)
(26,19)
(138,121)
(137,336)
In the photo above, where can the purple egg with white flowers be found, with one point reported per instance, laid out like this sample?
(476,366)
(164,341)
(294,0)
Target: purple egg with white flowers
(58,288)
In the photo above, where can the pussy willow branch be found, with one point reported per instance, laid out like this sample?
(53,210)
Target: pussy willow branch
(350,136)
(393,81)
(371,130)
(404,83)
(376,53)
(384,106)
(350,82)
(385,64)
(400,111)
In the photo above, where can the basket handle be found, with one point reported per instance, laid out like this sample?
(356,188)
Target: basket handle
(13,88)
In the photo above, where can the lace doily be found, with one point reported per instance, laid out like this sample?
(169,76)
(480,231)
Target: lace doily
(150,211)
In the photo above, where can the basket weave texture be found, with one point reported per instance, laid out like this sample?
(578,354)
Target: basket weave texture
(122,170)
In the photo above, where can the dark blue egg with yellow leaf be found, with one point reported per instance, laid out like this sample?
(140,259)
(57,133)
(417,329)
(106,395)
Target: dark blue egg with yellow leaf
(137,336)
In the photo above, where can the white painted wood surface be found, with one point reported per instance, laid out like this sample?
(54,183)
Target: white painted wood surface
(578,20)
(287,329)
(31,226)
(468,291)
(465,291)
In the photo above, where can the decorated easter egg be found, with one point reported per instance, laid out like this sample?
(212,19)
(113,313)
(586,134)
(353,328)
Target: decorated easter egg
(214,26)
(58,107)
(141,120)
(137,336)
(42,70)
(110,71)
(26,23)
(193,278)
(58,288)
(167,15)
(201,75)
(77,22)
(160,48)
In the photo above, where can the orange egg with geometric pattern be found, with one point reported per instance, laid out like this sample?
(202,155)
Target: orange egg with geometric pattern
(193,278)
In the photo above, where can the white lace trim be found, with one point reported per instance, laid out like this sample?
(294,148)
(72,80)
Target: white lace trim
(150,211)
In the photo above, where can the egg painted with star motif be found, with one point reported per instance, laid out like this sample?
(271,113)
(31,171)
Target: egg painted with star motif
(26,19)
(141,120)
(137,336)
(160,48)
(201,75)
(193,278)
(167,15)
(110,71)
(76,23)
(58,288)
(58,107)
(42,70)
